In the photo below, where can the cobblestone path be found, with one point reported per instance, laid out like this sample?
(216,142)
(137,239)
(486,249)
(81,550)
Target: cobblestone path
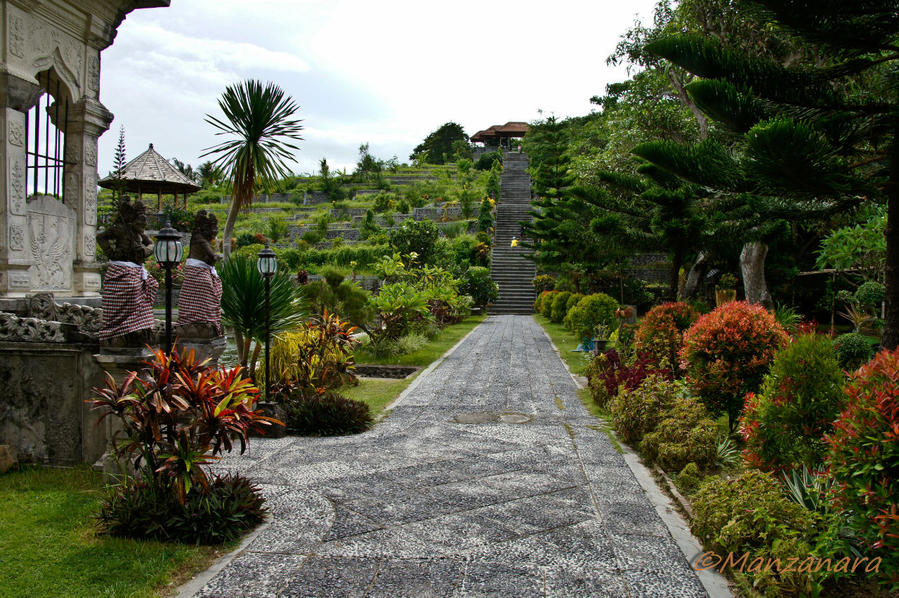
(489,478)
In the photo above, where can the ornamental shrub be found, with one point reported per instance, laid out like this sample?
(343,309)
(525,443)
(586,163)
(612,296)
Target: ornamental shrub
(572,301)
(415,236)
(870,294)
(684,434)
(727,352)
(538,302)
(864,459)
(137,509)
(590,312)
(750,513)
(325,413)
(558,309)
(635,412)
(476,283)
(853,349)
(547,303)
(661,332)
(544,282)
(608,373)
(784,425)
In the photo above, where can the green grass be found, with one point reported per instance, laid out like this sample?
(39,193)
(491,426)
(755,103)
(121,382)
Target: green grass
(377,393)
(448,337)
(49,545)
(565,341)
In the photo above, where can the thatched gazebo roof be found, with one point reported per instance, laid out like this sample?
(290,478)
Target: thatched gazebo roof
(151,173)
(509,130)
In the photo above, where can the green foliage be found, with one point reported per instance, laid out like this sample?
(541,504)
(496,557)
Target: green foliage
(728,351)
(243,303)
(559,308)
(546,304)
(636,412)
(136,509)
(870,294)
(244,239)
(661,332)
(439,147)
(277,228)
(325,414)
(784,425)
(476,283)
(860,247)
(864,459)
(177,416)
(312,237)
(485,215)
(590,312)
(336,295)
(688,479)
(399,306)
(415,237)
(544,282)
(573,300)
(750,513)
(685,434)
(853,349)
(486,161)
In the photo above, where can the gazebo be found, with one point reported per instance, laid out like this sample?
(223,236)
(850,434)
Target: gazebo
(149,173)
(495,135)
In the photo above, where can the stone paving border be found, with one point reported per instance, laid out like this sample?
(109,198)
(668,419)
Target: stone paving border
(714,583)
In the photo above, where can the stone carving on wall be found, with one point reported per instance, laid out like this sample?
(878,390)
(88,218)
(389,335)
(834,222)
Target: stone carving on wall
(90,245)
(93,73)
(90,151)
(14,328)
(43,307)
(16,133)
(19,281)
(52,229)
(16,36)
(17,237)
(16,186)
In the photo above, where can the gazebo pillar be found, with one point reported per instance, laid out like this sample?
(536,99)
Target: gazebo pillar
(88,119)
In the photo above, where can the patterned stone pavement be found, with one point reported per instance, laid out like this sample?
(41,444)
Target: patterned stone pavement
(489,478)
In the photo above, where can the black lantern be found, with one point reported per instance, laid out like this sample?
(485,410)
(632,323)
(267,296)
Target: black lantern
(168,251)
(267,264)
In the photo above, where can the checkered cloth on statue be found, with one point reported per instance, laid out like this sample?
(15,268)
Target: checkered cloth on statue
(201,295)
(128,295)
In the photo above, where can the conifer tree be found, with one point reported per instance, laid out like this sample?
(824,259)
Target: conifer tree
(809,139)
(118,172)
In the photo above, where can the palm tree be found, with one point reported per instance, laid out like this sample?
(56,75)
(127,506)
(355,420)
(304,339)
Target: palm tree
(259,124)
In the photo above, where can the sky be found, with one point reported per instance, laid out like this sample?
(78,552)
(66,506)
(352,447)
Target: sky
(384,73)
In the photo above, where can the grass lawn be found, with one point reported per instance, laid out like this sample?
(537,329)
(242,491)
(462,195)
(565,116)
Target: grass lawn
(379,393)
(49,546)
(448,337)
(566,342)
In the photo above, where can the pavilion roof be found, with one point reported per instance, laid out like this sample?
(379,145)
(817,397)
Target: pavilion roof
(149,173)
(510,129)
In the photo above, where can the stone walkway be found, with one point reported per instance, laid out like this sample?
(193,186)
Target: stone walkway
(489,478)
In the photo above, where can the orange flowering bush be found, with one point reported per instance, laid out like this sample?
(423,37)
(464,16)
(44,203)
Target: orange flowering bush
(864,459)
(661,331)
(727,352)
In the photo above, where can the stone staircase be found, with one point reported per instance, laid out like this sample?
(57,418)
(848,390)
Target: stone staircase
(511,271)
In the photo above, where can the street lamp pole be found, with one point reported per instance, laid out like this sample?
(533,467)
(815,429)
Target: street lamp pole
(267,264)
(168,252)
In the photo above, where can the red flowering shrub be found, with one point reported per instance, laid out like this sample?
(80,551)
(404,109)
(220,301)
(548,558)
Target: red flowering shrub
(260,238)
(661,332)
(607,372)
(539,300)
(727,352)
(785,423)
(864,458)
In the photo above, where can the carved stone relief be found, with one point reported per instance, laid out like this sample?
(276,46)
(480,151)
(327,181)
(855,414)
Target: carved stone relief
(90,199)
(19,281)
(16,133)
(90,151)
(52,228)
(14,328)
(16,186)
(17,237)
(16,36)
(93,73)
(90,245)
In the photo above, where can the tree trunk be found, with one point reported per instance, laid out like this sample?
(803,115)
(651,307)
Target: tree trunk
(890,337)
(229,227)
(676,261)
(752,266)
(697,271)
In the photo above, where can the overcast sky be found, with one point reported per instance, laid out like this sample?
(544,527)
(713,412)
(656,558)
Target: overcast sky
(385,73)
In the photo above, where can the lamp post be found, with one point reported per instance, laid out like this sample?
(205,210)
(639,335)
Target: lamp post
(168,251)
(267,264)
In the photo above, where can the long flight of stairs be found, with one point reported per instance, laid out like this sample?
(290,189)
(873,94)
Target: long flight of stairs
(511,271)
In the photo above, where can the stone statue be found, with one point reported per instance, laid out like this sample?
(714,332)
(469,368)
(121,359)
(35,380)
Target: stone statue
(199,303)
(206,228)
(128,290)
(125,240)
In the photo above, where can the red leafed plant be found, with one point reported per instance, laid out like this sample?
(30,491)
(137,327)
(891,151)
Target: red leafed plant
(661,332)
(607,372)
(864,458)
(727,352)
(178,415)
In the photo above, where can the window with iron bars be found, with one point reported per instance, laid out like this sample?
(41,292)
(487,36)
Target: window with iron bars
(45,143)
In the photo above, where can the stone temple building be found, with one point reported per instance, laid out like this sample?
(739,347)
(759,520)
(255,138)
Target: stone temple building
(49,276)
